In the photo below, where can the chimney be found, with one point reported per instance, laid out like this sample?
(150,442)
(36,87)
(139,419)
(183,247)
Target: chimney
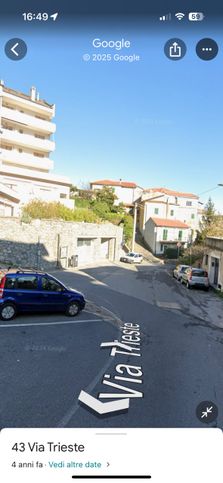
(33,93)
(2,82)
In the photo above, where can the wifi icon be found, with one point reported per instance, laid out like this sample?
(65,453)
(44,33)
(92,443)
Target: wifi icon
(179,15)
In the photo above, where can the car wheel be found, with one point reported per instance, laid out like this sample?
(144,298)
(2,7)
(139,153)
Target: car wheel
(73,309)
(188,285)
(7,311)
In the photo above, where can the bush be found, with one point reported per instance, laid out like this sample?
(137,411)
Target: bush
(128,227)
(82,203)
(55,210)
(101,209)
(85,214)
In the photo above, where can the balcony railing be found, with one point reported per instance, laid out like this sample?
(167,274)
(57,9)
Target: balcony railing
(25,159)
(27,120)
(27,140)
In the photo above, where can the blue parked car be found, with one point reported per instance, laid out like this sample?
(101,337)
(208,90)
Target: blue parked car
(27,291)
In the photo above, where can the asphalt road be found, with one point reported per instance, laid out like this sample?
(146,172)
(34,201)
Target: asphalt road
(46,361)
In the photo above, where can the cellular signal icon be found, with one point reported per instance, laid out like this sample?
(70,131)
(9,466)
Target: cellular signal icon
(166,17)
(179,15)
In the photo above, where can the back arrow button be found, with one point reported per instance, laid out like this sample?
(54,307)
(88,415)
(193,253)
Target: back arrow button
(15,49)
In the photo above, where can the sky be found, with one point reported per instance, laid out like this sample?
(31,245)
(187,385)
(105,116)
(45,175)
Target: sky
(155,122)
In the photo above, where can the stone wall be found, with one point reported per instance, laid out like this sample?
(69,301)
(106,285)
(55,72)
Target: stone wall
(45,244)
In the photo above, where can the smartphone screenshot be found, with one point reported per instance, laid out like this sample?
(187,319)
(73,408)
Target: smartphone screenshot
(111,241)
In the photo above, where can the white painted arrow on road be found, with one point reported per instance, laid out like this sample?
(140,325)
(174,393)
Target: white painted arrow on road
(100,407)
(13,49)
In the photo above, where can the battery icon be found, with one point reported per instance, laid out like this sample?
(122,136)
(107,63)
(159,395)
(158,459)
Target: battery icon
(196,16)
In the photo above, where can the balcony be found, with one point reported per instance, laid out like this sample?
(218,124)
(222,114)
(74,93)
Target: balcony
(25,159)
(34,174)
(27,120)
(27,140)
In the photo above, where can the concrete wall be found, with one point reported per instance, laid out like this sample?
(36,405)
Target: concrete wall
(46,244)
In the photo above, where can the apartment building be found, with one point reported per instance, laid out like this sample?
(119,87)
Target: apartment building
(126,191)
(168,204)
(26,143)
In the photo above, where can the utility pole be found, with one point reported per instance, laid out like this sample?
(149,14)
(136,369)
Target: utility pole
(134,227)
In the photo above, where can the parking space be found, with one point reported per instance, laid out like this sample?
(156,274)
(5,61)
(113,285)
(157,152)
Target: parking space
(44,361)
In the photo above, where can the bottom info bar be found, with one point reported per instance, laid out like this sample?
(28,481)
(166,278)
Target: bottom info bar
(66,455)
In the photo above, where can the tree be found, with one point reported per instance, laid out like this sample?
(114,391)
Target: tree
(106,195)
(216,227)
(209,213)
(208,219)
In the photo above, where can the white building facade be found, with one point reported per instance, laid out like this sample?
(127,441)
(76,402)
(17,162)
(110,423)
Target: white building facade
(171,205)
(161,234)
(26,142)
(213,261)
(126,192)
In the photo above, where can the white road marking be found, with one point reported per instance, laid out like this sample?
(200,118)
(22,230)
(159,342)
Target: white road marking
(62,322)
(169,305)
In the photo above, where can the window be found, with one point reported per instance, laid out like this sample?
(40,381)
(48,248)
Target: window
(206,260)
(180,235)
(63,195)
(83,242)
(192,216)
(156,211)
(20,150)
(10,283)
(39,136)
(51,285)
(27,282)
(21,131)
(38,155)
(188,203)
(171,212)
(165,234)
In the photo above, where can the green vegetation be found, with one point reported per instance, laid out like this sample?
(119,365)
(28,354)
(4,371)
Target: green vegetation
(97,207)
(192,255)
(55,210)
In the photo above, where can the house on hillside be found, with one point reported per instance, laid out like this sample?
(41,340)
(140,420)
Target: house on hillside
(163,233)
(170,205)
(125,191)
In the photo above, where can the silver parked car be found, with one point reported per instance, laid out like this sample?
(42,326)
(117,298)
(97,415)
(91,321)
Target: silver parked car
(195,277)
(179,270)
(132,257)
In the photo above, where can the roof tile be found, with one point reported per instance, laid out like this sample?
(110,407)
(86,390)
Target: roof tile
(169,223)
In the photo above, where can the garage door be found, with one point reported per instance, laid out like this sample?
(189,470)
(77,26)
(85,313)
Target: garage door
(104,247)
(85,249)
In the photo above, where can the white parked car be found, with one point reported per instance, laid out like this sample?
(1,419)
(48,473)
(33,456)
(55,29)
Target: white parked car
(132,257)
(195,277)
(179,270)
